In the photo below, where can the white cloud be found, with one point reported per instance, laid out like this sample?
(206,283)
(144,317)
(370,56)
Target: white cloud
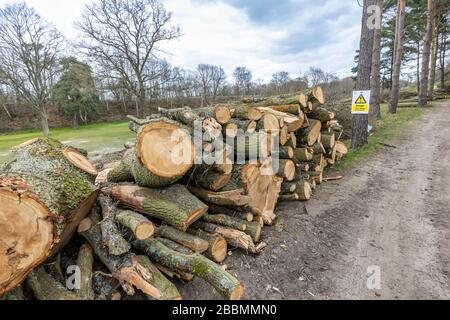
(216,32)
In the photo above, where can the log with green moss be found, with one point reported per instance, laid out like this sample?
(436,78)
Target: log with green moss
(43,197)
(125,268)
(85,262)
(244,215)
(286,152)
(328,140)
(288,187)
(302,155)
(253,229)
(232,198)
(164,153)
(111,236)
(243,112)
(217,249)
(227,285)
(168,290)
(321,114)
(189,241)
(139,225)
(45,287)
(174,205)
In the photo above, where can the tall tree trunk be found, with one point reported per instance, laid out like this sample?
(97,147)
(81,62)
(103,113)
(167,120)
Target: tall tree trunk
(7,111)
(376,64)
(425,73)
(434,53)
(443,49)
(398,54)
(418,67)
(360,122)
(75,124)
(44,124)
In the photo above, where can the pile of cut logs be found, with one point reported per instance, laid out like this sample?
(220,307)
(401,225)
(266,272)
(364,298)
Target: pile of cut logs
(186,191)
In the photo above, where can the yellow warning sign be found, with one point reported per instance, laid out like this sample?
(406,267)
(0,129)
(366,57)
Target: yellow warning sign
(361,101)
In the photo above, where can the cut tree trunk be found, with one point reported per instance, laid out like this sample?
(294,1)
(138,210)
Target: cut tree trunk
(139,225)
(232,198)
(425,72)
(194,243)
(328,140)
(311,134)
(85,262)
(174,205)
(228,286)
(217,249)
(316,97)
(253,229)
(321,114)
(244,112)
(43,197)
(221,113)
(286,169)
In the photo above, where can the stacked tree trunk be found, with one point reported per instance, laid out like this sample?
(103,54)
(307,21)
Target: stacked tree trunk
(195,183)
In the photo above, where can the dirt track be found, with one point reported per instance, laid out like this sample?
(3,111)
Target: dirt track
(393,212)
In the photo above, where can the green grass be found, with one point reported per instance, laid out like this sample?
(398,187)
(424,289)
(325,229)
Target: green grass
(385,131)
(95,137)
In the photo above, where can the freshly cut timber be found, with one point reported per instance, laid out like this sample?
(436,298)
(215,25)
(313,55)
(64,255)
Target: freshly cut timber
(111,236)
(139,225)
(316,97)
(174,205)
(85,262)
(185,239)
(302,155)
(168,290)
(45,287)
(43,197)
(125,268)
(269,123)
(321,114)
(228,286)
(233,198)
(247,126)
(288,108)
(288,187)
(164,153)
(328,140)
(286,152)
(244,112)
(286,169)
(215,209)
(221,113)
(253,229)
(341,150)
(235,238)
(79,160)
(293,122)
(311,134)
(217,249)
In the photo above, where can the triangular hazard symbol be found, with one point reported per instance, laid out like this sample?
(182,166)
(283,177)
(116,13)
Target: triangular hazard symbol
(361,100)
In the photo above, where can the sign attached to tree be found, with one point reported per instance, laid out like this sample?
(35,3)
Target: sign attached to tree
(361,102)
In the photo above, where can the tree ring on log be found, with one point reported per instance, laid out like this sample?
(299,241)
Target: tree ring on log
(79,161)
(165,149)
(22,213)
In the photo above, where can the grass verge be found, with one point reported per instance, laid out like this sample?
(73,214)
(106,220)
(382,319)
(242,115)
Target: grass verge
(385,130)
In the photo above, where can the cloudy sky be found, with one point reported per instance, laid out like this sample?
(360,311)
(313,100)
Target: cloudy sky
(265,35)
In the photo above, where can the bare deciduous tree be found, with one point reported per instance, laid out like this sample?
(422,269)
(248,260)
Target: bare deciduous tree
(29,48)
(124,36)
(242,79)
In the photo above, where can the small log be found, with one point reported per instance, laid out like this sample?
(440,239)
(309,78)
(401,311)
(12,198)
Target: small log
(268,123)
(311,134)
(303,166)
(228,286)
(217,249)
(235,238)
(187,240)
(253,229)
(302,155)
(244,112)
(294,123)
(286,152)
(328,140)
(215,209)
(168,290)
(184,276)
(233,198)
(288,187)
(221,113)
(316,96)
(284,135)
(85,262)
(139,225)
(45,287)
(111,236)
(174,205)
(124,268)
(304,190)
(286,169)
(321,114)
(293,109)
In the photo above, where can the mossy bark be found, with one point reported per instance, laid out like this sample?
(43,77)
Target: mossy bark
(189,241)
(139,225)
(174,205)
(85,262)
(111,236)
(228,286)
(131,170)
(253,229)
(217,249)
(45,287)
(40,173)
